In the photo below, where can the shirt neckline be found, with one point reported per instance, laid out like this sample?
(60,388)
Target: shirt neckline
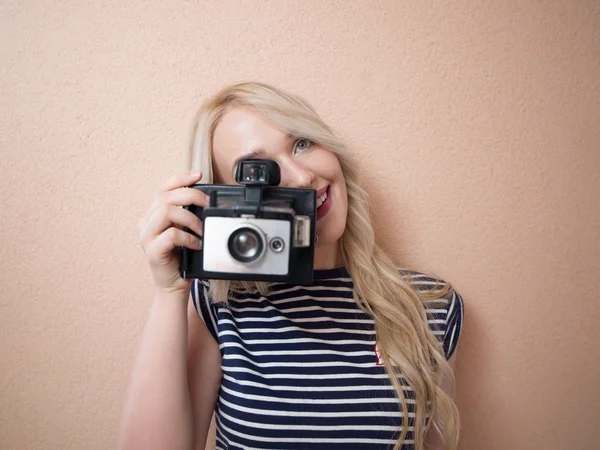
(338,272)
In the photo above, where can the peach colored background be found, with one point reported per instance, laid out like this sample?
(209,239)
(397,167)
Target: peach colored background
(478,125)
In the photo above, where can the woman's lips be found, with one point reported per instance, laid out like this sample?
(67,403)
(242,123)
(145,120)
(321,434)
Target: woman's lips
(326,206)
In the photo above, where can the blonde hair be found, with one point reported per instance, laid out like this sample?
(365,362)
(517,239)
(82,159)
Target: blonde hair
(412,355)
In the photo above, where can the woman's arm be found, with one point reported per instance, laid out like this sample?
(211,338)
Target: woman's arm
(161,410)
(434,440)
(204,376)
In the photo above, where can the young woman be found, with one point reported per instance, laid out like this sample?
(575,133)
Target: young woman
(360,359)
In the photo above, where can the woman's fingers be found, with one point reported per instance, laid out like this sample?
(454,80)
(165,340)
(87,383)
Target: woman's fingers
(178,196)
(180,180)
(162,247)
(160,233)
(187,197)
(166,217)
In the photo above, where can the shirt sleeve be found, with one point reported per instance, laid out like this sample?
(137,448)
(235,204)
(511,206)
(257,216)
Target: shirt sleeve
(444,315)
(206,309)
(454,322)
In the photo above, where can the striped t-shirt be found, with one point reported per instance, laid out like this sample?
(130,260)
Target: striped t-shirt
(301,368)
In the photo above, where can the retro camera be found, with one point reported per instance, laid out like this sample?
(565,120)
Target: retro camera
(254,231)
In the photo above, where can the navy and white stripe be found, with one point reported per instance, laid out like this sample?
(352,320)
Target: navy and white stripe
(300,368)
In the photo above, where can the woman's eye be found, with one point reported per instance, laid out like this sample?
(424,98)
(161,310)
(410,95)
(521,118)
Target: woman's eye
(302,144)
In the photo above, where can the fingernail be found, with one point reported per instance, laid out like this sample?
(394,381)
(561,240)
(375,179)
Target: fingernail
(208,199)
(195,174)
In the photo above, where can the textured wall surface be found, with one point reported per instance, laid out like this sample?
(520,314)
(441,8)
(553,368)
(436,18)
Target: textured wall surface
(478,125)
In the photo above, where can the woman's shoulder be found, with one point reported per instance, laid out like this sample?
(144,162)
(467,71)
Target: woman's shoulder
(444,306)
(428,285)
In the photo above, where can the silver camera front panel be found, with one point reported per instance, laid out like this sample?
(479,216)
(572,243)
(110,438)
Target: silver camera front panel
(274,259)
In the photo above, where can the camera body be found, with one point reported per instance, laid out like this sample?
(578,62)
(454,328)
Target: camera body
(254,231)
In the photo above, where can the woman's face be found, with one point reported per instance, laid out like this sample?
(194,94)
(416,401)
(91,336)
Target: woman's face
(244,133)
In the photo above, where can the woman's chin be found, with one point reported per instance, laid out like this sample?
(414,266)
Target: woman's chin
(328,235)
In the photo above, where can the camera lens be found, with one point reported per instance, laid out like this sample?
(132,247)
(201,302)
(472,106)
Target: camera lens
(245,244)
(277,244)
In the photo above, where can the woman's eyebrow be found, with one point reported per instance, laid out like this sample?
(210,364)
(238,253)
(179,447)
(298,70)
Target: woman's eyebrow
(257,152)
(254,153)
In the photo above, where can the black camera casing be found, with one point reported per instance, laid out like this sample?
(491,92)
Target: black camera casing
(238,201)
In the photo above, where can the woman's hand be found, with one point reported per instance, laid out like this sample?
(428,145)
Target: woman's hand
(160,233)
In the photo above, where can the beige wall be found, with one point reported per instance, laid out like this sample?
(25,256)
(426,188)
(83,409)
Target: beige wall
(478,125)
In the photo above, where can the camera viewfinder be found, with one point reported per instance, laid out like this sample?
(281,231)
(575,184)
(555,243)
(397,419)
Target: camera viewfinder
(262,172)
(253,173)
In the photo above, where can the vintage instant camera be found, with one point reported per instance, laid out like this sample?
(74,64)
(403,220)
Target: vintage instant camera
(254,231)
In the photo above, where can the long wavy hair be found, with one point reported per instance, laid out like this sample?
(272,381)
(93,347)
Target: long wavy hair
(412,355)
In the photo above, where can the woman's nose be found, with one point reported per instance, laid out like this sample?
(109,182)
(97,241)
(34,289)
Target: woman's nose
(295,175)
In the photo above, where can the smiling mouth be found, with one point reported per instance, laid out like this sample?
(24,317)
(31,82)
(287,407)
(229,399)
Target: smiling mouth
(323,202)
(321,199)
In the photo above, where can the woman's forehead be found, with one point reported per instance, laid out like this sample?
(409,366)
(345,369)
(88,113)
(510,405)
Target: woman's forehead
(244,133)
(242,129)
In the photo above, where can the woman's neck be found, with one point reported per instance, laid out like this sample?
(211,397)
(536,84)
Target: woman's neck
(328,256)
